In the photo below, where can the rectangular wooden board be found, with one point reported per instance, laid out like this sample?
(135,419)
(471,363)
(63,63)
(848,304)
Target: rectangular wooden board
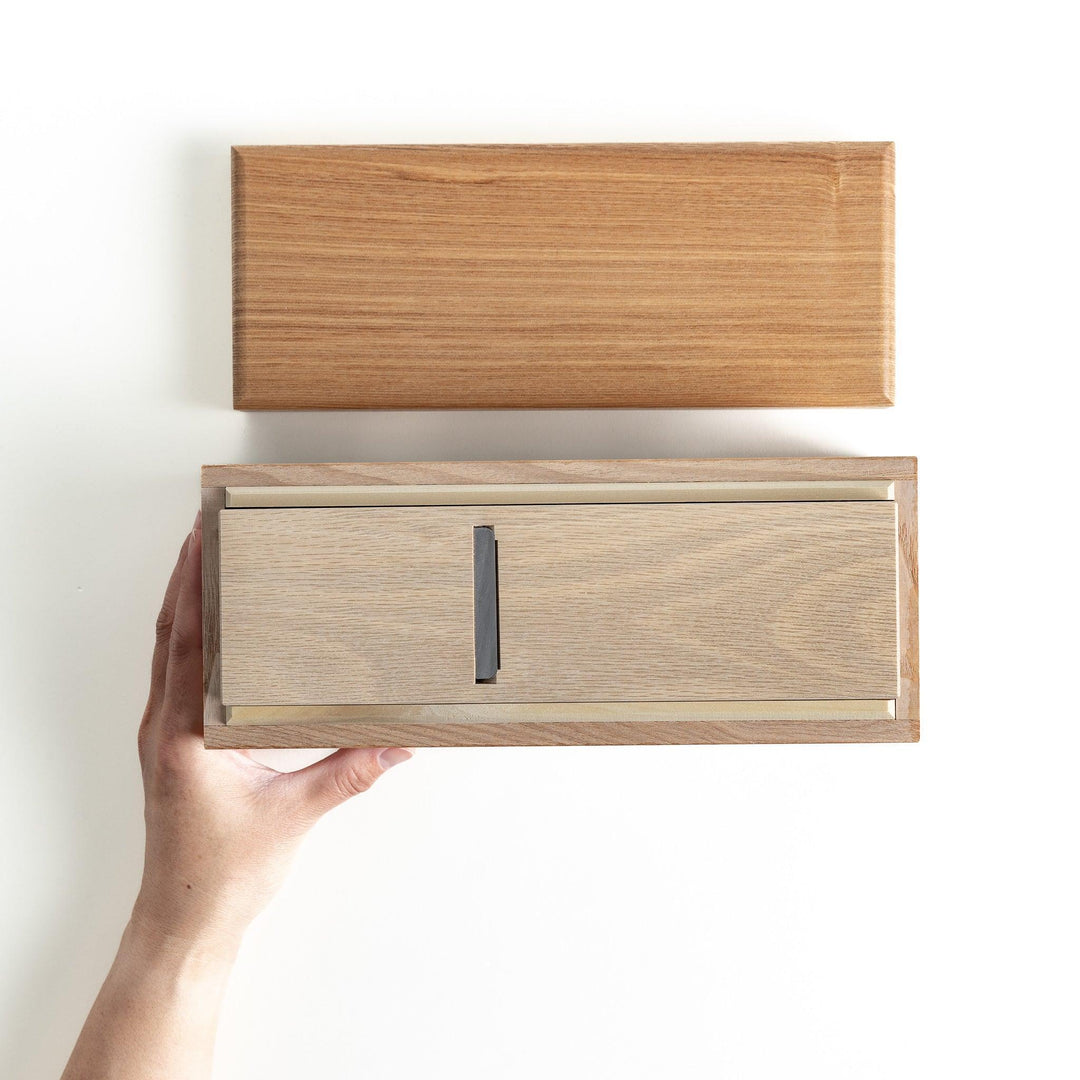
(563,276)
(489,722)
(736,601)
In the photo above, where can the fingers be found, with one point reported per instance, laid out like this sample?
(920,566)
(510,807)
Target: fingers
(163,633)
(345,773)
(183,702)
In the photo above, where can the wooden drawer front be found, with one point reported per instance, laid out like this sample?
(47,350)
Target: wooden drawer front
(673,602)
(734,601)
(335,606)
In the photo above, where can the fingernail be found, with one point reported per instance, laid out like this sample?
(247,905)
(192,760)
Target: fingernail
(198,522)
(394,756)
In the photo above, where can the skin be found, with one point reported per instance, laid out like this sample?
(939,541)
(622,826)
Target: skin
(221,832)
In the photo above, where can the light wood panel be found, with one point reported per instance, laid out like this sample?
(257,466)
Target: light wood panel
(650,275)
(596,602)
(525,494)
(564,712)
(558,733)
(736,601)
(904,727)
(350,605)
(548,724)
(212,503)
(615,471)
(907,528)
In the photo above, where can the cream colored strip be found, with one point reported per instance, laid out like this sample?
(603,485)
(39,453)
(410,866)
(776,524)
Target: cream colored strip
(525,494)
(564,712)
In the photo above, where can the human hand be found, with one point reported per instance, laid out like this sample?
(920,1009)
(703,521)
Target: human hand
(221,829)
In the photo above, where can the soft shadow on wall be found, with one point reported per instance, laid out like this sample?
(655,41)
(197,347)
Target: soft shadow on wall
(203,267)
(503,435)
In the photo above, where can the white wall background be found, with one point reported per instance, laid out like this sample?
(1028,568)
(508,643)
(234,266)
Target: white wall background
(881,911)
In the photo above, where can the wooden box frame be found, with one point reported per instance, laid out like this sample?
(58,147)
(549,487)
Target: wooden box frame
(439,726)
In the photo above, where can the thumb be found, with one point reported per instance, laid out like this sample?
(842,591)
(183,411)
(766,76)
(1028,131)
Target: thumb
(337,778)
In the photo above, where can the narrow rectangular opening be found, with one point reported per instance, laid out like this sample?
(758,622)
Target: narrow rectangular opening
(485,603)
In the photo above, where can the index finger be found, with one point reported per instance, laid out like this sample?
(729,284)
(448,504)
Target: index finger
(163,630)
(183,702)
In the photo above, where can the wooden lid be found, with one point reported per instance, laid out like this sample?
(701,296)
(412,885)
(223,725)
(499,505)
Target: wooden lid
(577,276)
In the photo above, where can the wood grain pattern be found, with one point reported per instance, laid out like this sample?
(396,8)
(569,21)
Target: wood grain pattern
(596,602)
(532,494)
(212,503)
(907,704)
(614,471)
(904,727)
(375,605)
(651,275)
(557,733)
(566,712)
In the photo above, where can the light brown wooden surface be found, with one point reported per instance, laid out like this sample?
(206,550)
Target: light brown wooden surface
(651,275)
(212,503)
(531,494)
(613,471)
(557,733)
(566,712)
(596,602)
(345,605)
(540,724)
(907,704)
(903,727)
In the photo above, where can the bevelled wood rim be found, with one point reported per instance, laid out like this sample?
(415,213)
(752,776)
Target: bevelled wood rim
(532,494)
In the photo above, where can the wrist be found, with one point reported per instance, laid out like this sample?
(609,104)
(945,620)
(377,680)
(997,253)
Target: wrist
(198,941)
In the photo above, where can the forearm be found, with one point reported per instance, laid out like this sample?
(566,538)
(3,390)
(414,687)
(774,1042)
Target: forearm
(156,1014)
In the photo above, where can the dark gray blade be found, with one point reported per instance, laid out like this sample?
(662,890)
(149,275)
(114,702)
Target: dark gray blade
(485,603)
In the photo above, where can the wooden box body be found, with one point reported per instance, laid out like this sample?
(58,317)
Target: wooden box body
(769,600)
